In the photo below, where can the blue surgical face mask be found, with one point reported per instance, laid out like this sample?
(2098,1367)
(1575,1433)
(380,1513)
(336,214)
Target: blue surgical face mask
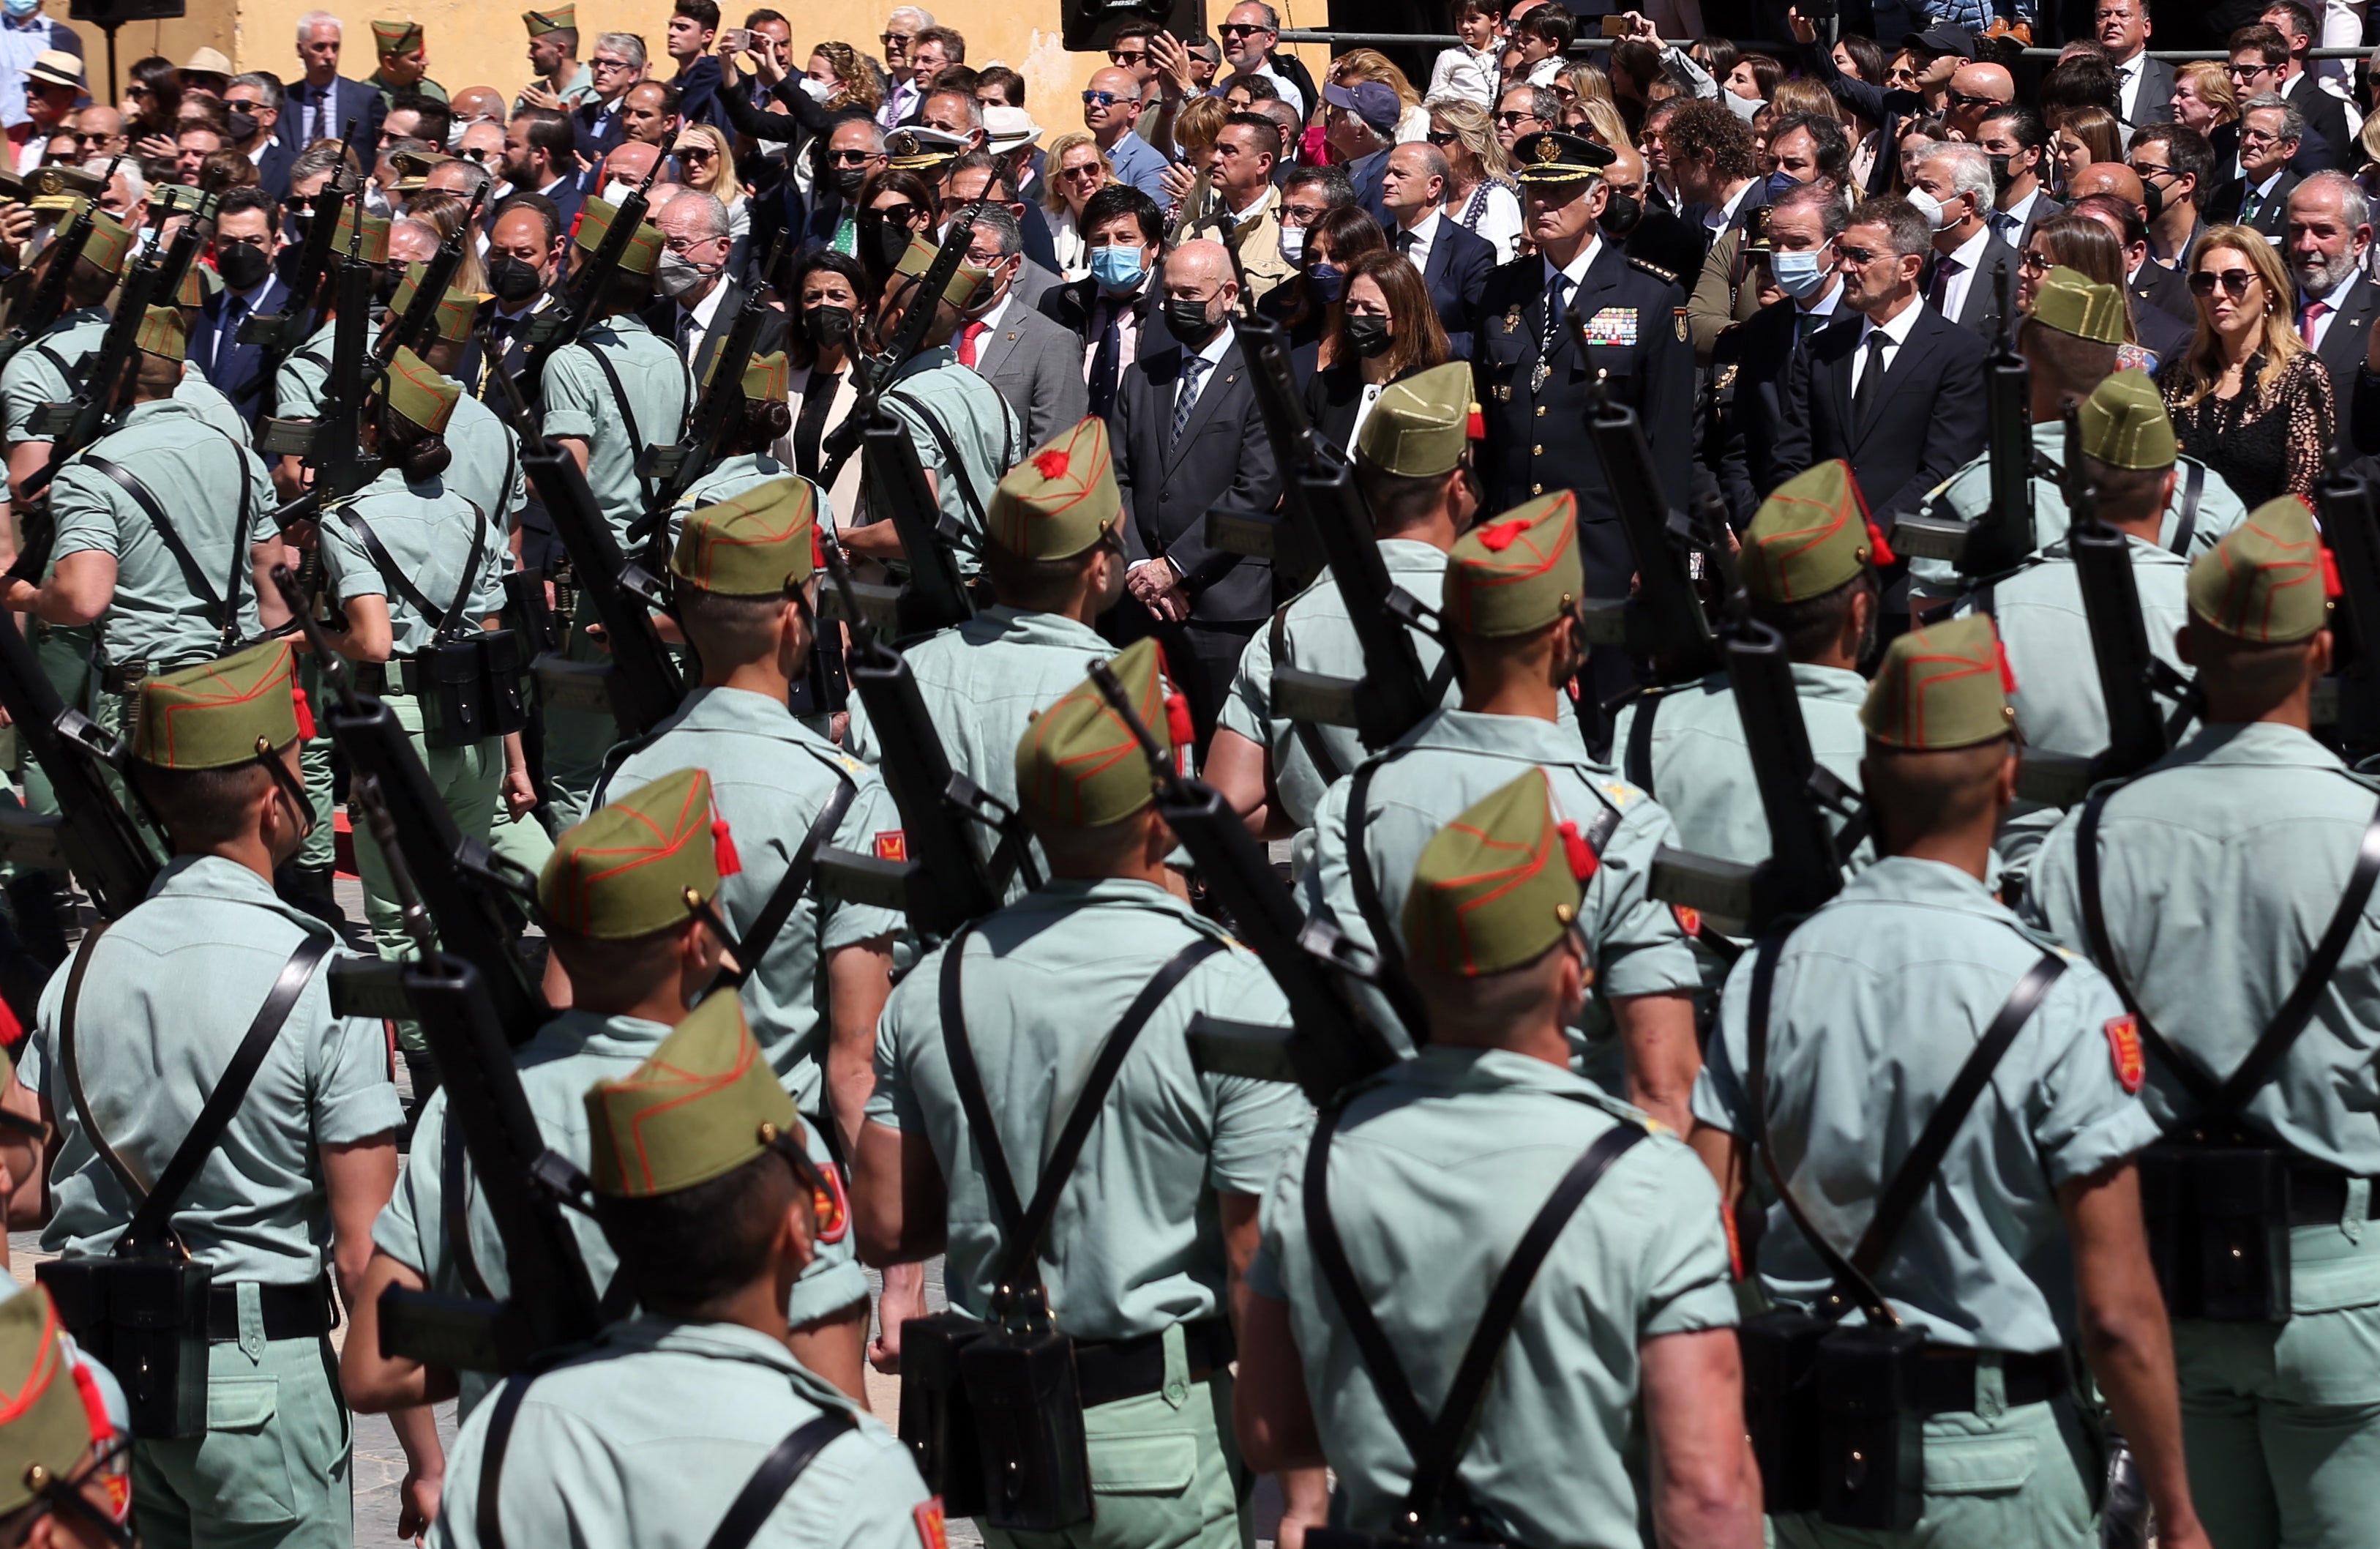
(1781,182)
(1326,279)
(1799,276)
(1118,270)
(22,8)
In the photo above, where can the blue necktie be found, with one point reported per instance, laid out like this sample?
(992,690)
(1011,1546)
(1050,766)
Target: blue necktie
(1186,399)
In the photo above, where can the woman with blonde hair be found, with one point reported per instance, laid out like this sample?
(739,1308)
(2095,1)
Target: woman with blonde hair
(2081,136)
(1194,128)
(1359,64)
(2203,97)
(1801,94)
(705,162)
(445,210)
(1600,122)
(849,78)
(1479,193)
(2247,398)
(1077,169)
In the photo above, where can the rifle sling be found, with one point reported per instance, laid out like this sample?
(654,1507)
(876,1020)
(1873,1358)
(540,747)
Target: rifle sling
(950,450)
(1854,1273)
(753,949)
(2191,490)
(2296,1013)
(1309,736)
(441,619)
(222,612)
(1638,762)
(153,1212)
(1024,1225)
(1435,1446)
(628,417)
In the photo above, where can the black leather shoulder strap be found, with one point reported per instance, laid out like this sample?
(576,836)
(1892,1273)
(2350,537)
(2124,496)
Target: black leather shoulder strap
(1024,1225)
(1364,882)
(1638,762)
(750,1509)
(949,448)
(444,620)
(1309,736)
(1436,1444)
(505,1411)
(786,895)
(2192,486)
(223,614)
(627,415)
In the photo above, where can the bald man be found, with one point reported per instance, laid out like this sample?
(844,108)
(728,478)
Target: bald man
(2162,315)
(1111,112)
(478,104)
(1202,604)
(626,166)
(2112,177)
(1975,90)
(1630,220)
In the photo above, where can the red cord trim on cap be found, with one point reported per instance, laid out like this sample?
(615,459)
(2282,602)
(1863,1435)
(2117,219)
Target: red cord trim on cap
(723,848)
(304,713)
(1499,537)
(1582,856)
(1879,551)
(1051,463)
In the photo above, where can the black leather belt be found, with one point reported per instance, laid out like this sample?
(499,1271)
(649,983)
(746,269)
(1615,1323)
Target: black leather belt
(2318,1195)
(290,1312)
(386,680)
(1115,1369)
(123,677)
(1944,1378)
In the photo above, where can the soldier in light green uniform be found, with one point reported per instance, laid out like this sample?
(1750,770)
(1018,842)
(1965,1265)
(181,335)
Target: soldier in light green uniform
(1616,1401)
(606,427)
(2069,355)
(298,386)
(965,435)
(743,459)
(541,25)
(2220,867)
(741,572)
(1512,590)
(1413,465)
(1808,561)
(1055,561)
(410,561)
(1159,1216)
(2027,1235)
(614,906)
(649,1435)
(2128,453)
(46,371)
(155,1008)
(403,57)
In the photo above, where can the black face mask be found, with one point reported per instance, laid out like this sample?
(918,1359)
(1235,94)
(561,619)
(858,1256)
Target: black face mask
(1621,213)
(1187,319)
(849,181)
(827,325)
(243,126)
(2002,173)
(385,284)
(513,281)
(242,266)
(2152,200)
(1370,336)
(892,241)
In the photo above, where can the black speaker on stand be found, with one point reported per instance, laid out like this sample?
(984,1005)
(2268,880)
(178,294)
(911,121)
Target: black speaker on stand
(109,15)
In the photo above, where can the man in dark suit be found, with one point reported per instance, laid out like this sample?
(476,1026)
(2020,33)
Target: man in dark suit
(1114,315)
(2326,114)
(618,61)
(260,96)
(2329,232)
(2176,166)
(2266,138)
(698,318)
(2144,86)
(1897,390)
(1747,369)
(1188,437)
(2014,137)
(1970,268)
(1454,263)
(1361,123)
(2260,67)
(1549,325)
(318,104)
(246,238)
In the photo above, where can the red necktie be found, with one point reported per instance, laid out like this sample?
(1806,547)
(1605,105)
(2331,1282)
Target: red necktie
(2308,317)
(967,337)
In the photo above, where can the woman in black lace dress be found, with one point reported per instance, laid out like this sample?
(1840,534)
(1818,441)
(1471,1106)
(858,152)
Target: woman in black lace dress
(2247,398)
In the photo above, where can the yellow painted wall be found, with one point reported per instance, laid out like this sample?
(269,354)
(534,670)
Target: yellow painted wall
(484,43)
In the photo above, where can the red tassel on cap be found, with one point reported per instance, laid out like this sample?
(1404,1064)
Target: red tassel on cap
(1475,427)
(723,849)
(2330,583)
(1178,727)
(1879,551)
(1499,537)
(304,713)
(1051,463)
(1582,856)
(2008,674)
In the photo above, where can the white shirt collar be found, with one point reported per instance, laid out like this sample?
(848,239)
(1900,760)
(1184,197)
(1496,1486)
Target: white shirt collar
(990,320)
(2265,188)
(1829,302)
(1897,330)
(708,308)
(2336,299)
(1425,233)
(2018,211)
(1577,271)
(1969,254)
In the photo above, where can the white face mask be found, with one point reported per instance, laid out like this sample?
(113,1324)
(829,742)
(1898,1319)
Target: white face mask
(1292,242)
(1930,207)
(819,90)
(616,191)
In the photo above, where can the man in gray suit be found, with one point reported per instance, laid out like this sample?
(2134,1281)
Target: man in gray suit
(976,175)
(2144,86)
(1037,365)
(1187,436)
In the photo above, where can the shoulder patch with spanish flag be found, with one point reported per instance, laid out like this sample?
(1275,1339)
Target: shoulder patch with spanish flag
(932,1532)
(1689,920)
(893,845)
(2124,1047)
(833,1213)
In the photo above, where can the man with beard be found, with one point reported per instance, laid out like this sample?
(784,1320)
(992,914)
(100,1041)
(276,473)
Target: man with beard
(2330,227)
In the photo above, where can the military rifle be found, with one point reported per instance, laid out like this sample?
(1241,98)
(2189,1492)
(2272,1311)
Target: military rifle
(75,425)
(641,687)
(1664,622)
(1321,505)
(578,298)
(90,835)
(2348,701)
(944,880)
(48,301)
(1330,1042)
(416,328)
(2003,536)
(553,1300)
(280,333)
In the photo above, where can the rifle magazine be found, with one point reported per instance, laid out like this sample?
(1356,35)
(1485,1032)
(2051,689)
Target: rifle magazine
(1317,699)
(566,684)
(1721,891)
(2053,779)
(866,879)
(459,1333)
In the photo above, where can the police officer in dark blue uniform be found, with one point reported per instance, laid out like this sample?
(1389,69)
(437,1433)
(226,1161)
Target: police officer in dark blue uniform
(1535,390)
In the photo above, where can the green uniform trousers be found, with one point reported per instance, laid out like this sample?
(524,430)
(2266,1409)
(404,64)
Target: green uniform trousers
(1165,1470)
(272,1469)
(2282,1420)
(470,778)
(1993,1480)
(319,848)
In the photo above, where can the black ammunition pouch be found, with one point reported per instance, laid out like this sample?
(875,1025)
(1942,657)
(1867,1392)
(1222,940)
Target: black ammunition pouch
(467,681)
(145,1310)
(1006,1395)
(1836,1413)
(2216,1196)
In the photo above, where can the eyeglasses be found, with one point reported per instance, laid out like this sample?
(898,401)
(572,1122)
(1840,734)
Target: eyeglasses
(1123,56)
(1858,258)
(1441,137)
(2235,282)
(602,63)
(851,158)
(1100,99)
(889,39)
(1300,214)
(1565,93)
(1239,29)
(1089,172)
(2034,263)
(2262,137)
(1515,119)
(2242,72)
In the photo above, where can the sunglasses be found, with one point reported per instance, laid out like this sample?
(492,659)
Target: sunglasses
(1088,171)
(1121,57)
(851,158)
(695,154)
(1858,258)
(1516,120)
(1441,137)
(1961,99)
(2034,263)
(1238,30)
(889,39)
(900,214)
(2238,72)
(1100,99)
(2235,282)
